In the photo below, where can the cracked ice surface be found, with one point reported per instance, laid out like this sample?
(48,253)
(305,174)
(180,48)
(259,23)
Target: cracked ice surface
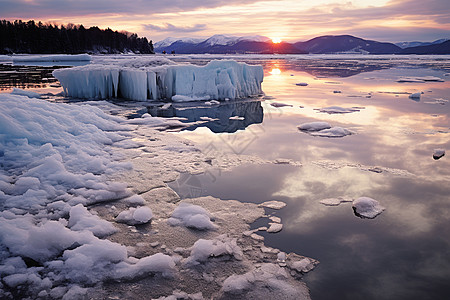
(160,78)
(71,174)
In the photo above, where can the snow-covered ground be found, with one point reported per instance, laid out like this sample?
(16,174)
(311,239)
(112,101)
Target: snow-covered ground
(85,211)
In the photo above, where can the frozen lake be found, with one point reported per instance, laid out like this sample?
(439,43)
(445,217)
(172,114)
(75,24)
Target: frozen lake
(403,253)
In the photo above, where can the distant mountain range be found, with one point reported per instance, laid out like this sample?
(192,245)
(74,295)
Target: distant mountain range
(330,44)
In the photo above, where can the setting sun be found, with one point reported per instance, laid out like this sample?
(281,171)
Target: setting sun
(276,40)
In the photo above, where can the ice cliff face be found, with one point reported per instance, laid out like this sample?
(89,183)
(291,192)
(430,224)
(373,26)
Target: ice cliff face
(157,79)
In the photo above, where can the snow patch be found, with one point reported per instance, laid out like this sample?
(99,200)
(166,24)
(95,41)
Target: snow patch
(192,216)
(221,246)
(22,92)
(135,216)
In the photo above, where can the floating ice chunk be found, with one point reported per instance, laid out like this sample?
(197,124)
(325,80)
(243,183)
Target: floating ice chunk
(212,102)
(275,219)
(279,104)
(415,96)
(208,119)
(22,92)
(158,123)
(238,118)
(314,126)
(135,216)
(81,219)
(335,201)
(51,58)
(330,201)
(409,79)
(438,153)
(273,204)
(338,110)
(420,79)
(192,216)
(202,250)
(275,227)
(440,101)
(304,265)
(365,207)
(332,132)
(301,84)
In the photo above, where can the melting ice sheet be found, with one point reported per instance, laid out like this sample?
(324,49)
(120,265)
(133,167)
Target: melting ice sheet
(160,78)
(65,219)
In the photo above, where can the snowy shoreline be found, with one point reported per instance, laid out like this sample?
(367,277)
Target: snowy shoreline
(85,209)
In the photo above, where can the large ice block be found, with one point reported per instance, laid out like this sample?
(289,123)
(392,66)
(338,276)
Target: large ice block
(161,79)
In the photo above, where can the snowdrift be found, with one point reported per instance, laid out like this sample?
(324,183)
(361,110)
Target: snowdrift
(159,78)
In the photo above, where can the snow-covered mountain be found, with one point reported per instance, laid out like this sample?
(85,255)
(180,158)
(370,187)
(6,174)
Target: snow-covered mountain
(170,40)
(220,39)
(222,44)
(217,39)
(404,45)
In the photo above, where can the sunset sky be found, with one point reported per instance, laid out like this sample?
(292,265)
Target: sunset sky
(289,20)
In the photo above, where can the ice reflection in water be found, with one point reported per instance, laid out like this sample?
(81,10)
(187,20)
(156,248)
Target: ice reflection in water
(216,117)
(404,253)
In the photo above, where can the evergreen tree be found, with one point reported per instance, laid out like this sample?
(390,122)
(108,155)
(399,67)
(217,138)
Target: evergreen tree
(29,37)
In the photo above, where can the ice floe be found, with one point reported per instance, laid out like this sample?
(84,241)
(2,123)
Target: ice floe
(368,208)
(273,204)
(415,96)
(332,132)
(438,153)
(156,78)
(420,79)
(335,201)
(338,110)
(279,104)
(323,129)
(314,126)
(51,58)
(275,227)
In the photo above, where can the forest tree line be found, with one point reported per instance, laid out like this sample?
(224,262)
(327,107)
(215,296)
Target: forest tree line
(38,38)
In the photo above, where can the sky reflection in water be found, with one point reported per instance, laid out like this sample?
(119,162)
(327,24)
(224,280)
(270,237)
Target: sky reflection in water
(404,253)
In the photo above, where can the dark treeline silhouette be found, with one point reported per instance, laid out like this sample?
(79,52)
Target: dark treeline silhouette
(39,38)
